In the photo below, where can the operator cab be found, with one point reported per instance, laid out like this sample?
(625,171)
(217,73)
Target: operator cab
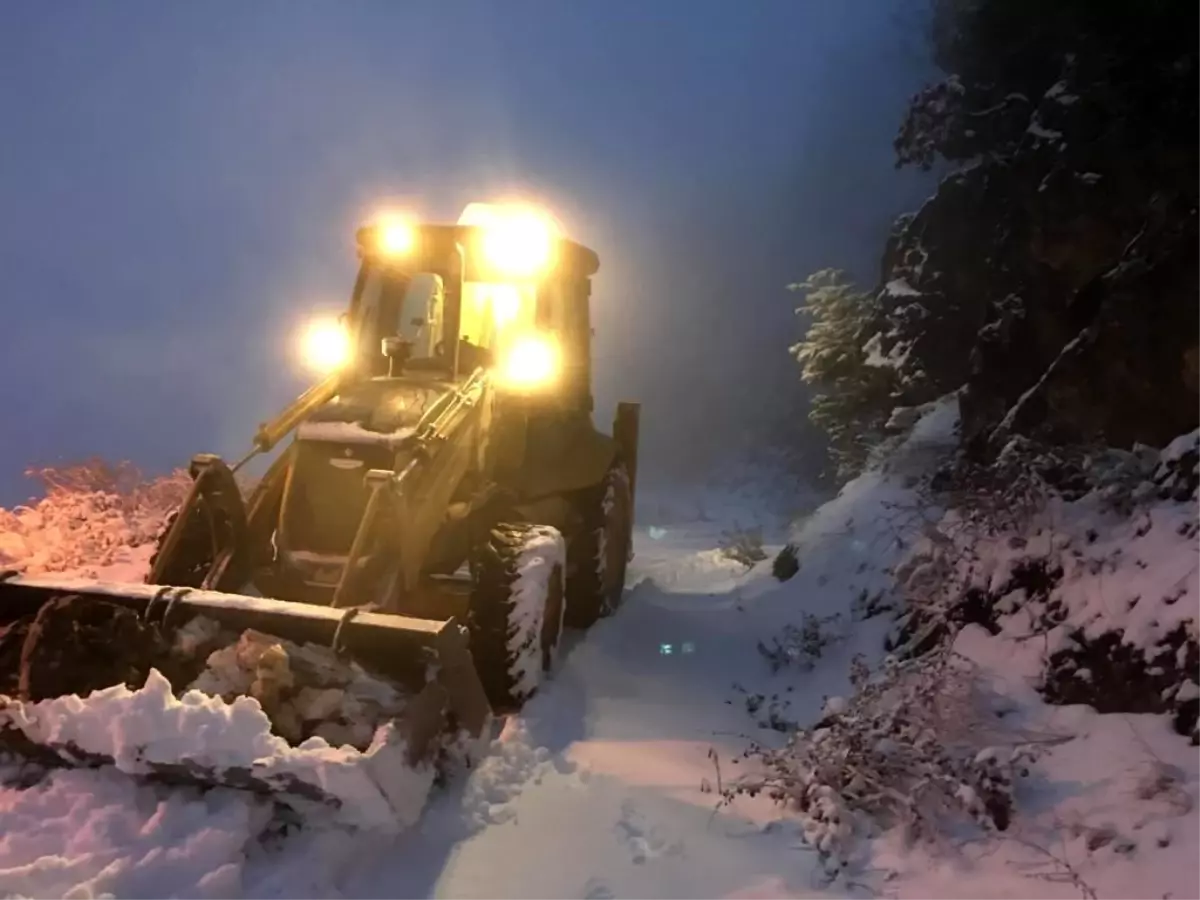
(502,289)
(397,321)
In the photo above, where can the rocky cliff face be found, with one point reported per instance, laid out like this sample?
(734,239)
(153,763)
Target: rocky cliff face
(1054,271)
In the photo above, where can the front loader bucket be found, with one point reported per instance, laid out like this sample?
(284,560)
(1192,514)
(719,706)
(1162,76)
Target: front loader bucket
(48,653)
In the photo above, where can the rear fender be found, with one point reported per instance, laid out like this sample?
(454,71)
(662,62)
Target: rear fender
(626,428)
(555,510)
(567,455)
(580,463)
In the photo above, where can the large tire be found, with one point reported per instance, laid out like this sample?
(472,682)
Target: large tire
(515,611)
(599,555)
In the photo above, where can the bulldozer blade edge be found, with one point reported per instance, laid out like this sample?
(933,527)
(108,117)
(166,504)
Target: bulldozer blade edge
(376,636)
(283,786)
(430,655)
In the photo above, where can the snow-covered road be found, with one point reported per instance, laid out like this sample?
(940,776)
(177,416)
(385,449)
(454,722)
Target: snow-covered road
(595,790)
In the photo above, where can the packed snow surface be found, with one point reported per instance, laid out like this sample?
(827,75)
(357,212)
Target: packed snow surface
(605,784)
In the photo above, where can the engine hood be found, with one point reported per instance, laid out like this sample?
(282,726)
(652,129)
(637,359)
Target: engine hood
(376,411)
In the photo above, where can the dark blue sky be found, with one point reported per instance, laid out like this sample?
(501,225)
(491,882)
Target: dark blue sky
(179,185)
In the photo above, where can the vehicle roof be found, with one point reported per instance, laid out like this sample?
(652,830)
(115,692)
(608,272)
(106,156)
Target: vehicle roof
(439,241)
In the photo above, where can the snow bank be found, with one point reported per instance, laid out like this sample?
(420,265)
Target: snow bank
(1099,593)
(1047,797)
(98,834)
(151,732)
(877,511)
(92,517)
(1110,812)
(1091,600)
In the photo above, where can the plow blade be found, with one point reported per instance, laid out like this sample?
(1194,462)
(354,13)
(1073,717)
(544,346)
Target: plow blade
(45,643)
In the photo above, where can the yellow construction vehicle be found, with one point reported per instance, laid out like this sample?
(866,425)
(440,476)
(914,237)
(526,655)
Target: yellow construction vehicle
(445,503)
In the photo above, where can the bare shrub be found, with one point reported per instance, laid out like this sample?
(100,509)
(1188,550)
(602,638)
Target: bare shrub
(744,545)
(1010,500)
(929,582)
(801,646)
(92,475)
(1006,494)
(915,747)
(92,514)
(123,482)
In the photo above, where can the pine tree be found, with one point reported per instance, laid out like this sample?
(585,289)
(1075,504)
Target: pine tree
(852,402)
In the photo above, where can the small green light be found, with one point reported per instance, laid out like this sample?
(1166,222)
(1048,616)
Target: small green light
(666,649)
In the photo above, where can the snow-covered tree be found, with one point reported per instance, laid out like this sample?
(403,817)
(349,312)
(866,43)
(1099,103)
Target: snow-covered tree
(852,398)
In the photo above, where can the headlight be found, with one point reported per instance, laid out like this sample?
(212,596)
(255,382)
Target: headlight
(325,346)
(530,362)
(395,235)
(520,247)
(515,241)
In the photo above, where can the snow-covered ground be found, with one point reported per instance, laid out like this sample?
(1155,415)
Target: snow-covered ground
(607,784)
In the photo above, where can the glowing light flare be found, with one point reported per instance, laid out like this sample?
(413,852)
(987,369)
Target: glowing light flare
(506,304)
(516,240)
(518,247)
(325,346)
(530,362)
(396,234)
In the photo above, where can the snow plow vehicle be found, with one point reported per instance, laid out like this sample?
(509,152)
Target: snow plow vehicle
(444,506)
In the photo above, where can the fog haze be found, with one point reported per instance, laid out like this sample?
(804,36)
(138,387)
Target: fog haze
(179,186)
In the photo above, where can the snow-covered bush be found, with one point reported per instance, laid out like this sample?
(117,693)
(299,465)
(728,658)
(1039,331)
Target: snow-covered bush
(1007,493)
(929,587)
(1178,472)
(1101,572)
(1003,531)
(1121,478)
(786,563)
(91,514)
(915,746)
